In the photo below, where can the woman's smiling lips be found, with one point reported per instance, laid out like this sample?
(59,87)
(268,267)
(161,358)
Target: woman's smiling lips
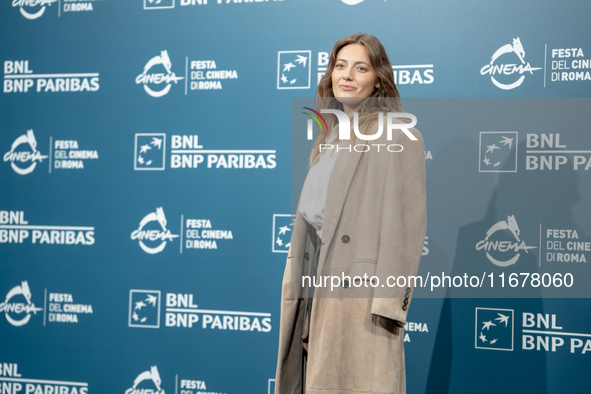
(347,87)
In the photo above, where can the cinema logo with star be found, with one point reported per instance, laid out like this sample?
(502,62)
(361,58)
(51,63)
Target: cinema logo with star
(498,151)
(494,329)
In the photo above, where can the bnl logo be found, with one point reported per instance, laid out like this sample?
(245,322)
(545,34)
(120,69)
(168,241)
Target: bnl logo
(294,69)
(282,229)
(144,308)
(498,151)
(158,4)
(494,329)
(149,151)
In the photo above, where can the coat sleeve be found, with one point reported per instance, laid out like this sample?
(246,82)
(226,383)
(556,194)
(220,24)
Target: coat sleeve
(403,228)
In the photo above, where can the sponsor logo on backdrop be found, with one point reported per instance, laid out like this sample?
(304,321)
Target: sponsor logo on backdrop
(32,9)
(564,246)
(63,309)
(507,67)
(181,310)
(150,382)
(158,4)
(163,4)
(425,251)
(67,155)
(282,228)
(15,229)
(542,332)
(498,151)
(12,381)
(294,69)
(569,64)
(156,82)
(414,327)
(147,382)
(78,5)
(17,306)
(544,152)
(494,329)
(158,77)
(193,386)
(19,78)
(186,152)
(144,308)
(205,75)
(152,234)
(548,152)
(23,155)
(413,74)
(150,151)
(502,244)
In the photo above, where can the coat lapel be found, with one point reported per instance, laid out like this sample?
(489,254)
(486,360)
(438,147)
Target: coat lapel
(338,188)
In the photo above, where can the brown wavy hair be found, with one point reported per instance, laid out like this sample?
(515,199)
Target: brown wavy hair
(387,98)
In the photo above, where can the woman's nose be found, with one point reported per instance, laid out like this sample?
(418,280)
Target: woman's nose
(348,75)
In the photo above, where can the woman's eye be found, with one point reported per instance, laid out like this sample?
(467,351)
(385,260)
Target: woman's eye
(363,68)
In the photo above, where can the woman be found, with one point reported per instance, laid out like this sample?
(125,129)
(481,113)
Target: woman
(362,211)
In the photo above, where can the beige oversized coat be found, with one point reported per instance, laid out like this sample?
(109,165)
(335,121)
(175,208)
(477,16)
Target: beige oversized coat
(374,223)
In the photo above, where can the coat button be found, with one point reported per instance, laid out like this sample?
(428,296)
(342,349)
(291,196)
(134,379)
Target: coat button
(345,284)
(307,256)
(404,308)
(407,290)
(345,239)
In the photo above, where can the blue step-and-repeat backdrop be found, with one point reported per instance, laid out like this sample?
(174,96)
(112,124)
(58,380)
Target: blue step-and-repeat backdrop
(145,204)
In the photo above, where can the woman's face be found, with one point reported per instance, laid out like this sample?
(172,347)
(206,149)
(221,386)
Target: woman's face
(353,78)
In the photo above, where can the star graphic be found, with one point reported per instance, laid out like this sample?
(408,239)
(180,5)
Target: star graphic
(279,242)
(486,161)
(144,148)
(502,319)
(497,164)
(482,337)
(151,300)
(493,341)
(287,67)
(135,316)
(487,324)
(491,148)
(139,305)
(302,60)
(157,142)
(283,230)
(506,141)
(283,78)
(292,81)
(140,160)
